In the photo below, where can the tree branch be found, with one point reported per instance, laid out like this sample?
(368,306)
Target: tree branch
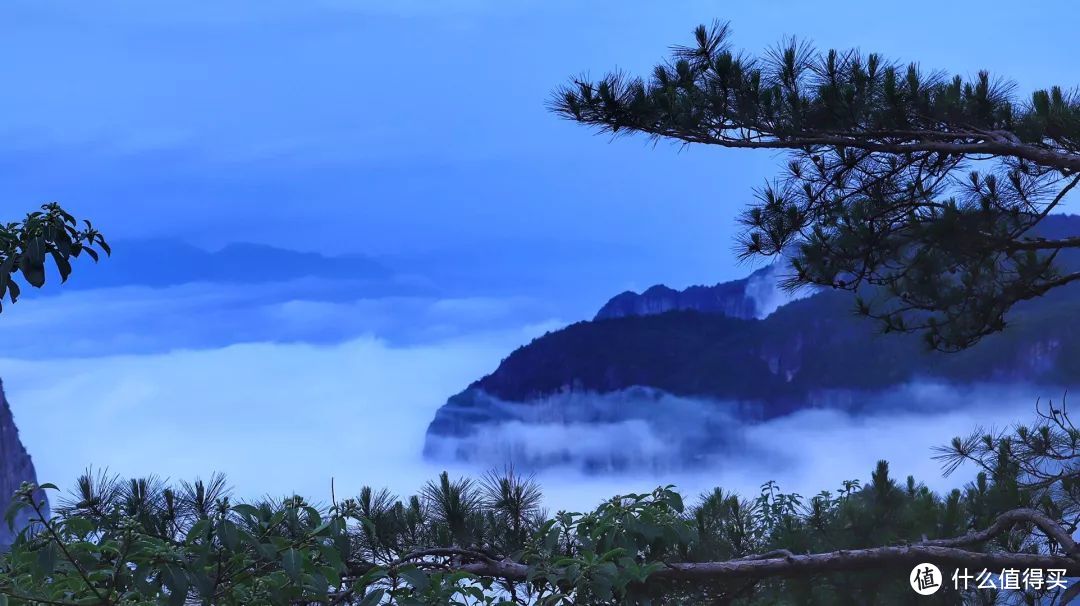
(1005,522)
(837,561)
(63,548)
(1043,157)
(1073,242)
(946,552)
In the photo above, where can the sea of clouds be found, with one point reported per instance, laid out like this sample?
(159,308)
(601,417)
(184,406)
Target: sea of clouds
(639,438)
(92,383)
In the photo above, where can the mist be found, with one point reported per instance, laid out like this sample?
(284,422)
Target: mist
(768,294)
(590,446)
(140,320)
(279,418)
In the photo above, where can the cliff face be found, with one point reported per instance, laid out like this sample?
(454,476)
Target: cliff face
(15,467)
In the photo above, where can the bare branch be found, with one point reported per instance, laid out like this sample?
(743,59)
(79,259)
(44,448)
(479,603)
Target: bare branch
(1006,521)
(818,563)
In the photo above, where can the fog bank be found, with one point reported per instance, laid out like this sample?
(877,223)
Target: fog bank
(279,417)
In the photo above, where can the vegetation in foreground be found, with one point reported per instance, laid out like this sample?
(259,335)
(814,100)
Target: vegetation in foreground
(143,541)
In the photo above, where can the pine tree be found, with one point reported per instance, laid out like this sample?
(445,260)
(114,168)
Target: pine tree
(879,195)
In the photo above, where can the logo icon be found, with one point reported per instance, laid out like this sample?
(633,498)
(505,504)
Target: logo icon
(925,579)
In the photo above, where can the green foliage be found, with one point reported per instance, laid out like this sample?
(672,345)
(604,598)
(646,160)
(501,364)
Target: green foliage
(26,246)
(1037,463)
(607,555)
(463,542)
(877,196)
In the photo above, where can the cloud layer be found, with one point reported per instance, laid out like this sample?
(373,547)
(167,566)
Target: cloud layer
(275,418)
(289,417)
(647,438)
(141,320)
(285,385)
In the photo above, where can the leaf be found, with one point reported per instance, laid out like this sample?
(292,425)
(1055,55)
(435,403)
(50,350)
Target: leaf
(247,510)
(415,577)
(551,541)
(371,576)
(292,560)
(331,556)
(79,526)
(322,528)
(62,265)
(313,516)
(34,251)
(35,274)
(318,583)
(330,573)
(676,501)
(175,579)
(46,560)
(32,262)
(63,243)
(203,583)
(198,530)
(229,535)
(13,510)
(608,570)
(276,518)
(7,268)
(373,598)
(267,551)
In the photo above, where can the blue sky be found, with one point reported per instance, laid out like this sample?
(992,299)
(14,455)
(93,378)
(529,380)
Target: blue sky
(397,127)
(413,132)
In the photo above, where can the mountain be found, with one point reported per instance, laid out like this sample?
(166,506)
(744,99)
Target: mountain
(720,348)
(754,296)
(15,468)
(165,262)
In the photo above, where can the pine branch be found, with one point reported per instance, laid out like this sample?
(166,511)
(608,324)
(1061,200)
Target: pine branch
(782,563)
(850,560)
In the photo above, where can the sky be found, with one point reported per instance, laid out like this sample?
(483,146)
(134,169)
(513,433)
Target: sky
(417,126)
(411,132)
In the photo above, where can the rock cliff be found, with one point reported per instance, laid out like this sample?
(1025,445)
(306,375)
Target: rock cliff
(16,467)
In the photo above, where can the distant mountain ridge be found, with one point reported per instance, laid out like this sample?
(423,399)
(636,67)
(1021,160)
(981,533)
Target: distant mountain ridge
(165,262)
(720,344)
(727,298)
(754,296)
